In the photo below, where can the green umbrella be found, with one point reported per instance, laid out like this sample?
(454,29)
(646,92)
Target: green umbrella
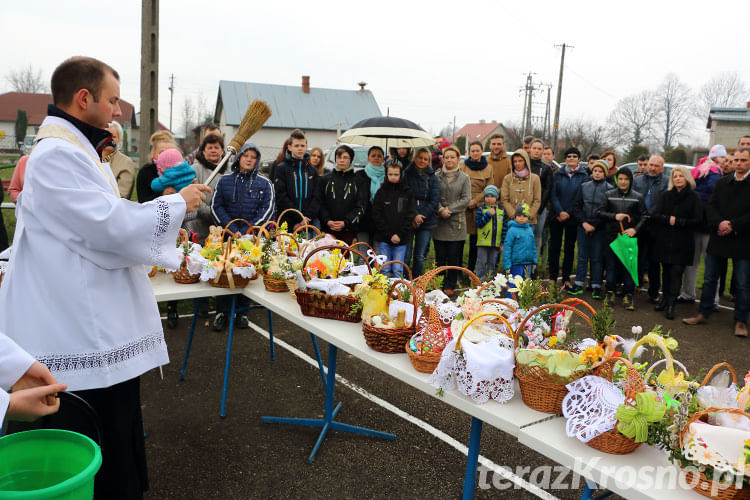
(626,249)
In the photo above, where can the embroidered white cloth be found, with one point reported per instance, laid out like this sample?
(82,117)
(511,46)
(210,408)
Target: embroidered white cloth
(329,286)
(481,371)
(590,407)
(717,446)
(195,261)
(76,294)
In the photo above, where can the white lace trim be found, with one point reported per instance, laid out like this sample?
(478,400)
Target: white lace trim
(160,228)
(448,311)
(697,450)
(590,407)
(60,362)
(453,373)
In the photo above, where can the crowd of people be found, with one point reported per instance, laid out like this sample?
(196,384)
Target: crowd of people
(404,201)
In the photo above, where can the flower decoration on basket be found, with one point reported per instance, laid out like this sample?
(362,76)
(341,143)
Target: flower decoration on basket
(226,266)
(192,262)
(481,369)
(669,379)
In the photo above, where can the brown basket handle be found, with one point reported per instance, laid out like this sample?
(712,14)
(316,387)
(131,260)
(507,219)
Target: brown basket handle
(716,368)
(483,315)
(700,414)
(307,226)
(343,253)
(290,237)
(281,215)
(365,244)
(249,226)
(394,294)
(635,383)
(498,301)
(622,229)
(183,237)
(575,302)
(420,284)
(261,231)
(411,278)
(519,330)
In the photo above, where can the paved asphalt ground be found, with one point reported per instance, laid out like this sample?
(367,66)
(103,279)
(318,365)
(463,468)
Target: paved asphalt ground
(194,454)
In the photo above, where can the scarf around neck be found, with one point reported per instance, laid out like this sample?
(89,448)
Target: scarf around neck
(522,173)
(481,164)
(376,175)
(450,174)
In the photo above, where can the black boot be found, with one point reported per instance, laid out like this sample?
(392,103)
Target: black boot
(661,305)
(172,316)
(671,302)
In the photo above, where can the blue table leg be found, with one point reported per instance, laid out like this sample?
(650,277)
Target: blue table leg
(327,422)
(196,308)
(588,492)
(270,333)
(223,412)
(472,459)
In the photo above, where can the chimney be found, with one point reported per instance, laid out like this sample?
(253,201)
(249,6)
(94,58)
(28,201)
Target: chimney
(306,84)
(363,84)
(748,104)
(482,122)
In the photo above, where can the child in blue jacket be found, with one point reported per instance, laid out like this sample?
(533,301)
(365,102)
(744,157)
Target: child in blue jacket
(243,194)
(174,172)
(519,253)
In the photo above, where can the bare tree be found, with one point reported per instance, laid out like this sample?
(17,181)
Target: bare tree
(723,90)
(27,80)
(188,116)
(589,137)
(633,119)
(674,101)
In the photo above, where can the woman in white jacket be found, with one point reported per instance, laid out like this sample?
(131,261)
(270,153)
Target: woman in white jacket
(35,386)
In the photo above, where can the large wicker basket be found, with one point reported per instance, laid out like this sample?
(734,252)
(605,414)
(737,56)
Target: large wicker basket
(613,441)
(431,328)
(391,340)
(541,390)
(702,484)
(274,284)
(322,305)
(182,275)
(225,277)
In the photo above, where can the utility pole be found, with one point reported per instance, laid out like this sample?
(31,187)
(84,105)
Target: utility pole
(453,135)
(546,133)
(171,96)
(149,76)
(559,93)
(527,98)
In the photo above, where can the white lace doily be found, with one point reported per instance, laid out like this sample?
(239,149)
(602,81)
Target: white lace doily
(719,447)
(590,407)
(448,311)
(500,308)
(245,272)
(494,358)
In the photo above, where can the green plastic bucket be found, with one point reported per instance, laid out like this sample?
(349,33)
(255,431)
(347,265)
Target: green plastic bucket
(48,464)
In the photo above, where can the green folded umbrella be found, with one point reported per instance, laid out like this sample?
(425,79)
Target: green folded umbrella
(626,249)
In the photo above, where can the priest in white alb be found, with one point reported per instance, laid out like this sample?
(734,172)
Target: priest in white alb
(76,295)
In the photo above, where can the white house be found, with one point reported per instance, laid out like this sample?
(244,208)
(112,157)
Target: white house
(726,125)
(323,114)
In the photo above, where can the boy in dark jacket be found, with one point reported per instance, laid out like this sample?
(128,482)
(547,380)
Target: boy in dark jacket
(296,183)
(621,206)
(519,252)
(591,234)
(243,194)
(393,209)
(490,221)
(342,198)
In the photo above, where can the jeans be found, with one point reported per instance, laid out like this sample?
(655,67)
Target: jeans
(711,282)
(539,228)
(556,230)
(486,257)
(224,304)
(392,252)
(448,253)
(616,273)
(420,244)
(590,248)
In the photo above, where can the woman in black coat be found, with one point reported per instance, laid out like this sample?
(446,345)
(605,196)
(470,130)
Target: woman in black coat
(676,217)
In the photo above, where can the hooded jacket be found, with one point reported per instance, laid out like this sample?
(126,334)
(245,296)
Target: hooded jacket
(564,190)
(296,185)
(520,246)
(588,200)
(243,195)
(517,190)
(343,195)
(393,209)
(426,189)
(617,201)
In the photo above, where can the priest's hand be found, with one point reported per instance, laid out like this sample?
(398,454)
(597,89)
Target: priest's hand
(30,404)
(194,194)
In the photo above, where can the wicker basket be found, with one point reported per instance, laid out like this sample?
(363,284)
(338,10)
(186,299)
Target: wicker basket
(274,285)
(322,305)
(703,485)
(225,278)
(422,282)
(182,275)
(429,325)
(613,441)
(541,390)
(391,340)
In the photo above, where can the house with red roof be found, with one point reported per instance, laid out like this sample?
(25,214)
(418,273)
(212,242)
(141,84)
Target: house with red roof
(481,131)
(35,106)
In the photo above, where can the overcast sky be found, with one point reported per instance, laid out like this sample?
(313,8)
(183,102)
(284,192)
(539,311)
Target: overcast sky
(426,61)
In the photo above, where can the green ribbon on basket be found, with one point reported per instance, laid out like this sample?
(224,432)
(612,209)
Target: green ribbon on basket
(633,420)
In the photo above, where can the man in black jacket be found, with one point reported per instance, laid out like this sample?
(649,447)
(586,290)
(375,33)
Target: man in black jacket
(295,183)
(544,172)
(652,186)
(728,214)
(624,207)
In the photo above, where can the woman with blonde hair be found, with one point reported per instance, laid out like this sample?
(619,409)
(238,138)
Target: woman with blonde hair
(676,217)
